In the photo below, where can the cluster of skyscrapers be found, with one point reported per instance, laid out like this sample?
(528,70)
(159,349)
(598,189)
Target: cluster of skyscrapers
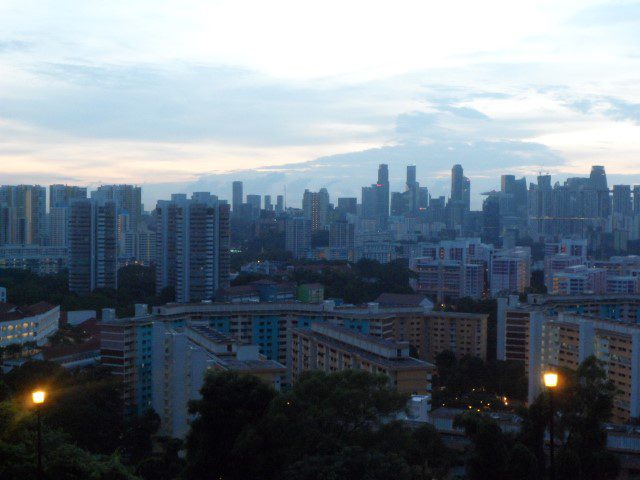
(92,236)
(189,239)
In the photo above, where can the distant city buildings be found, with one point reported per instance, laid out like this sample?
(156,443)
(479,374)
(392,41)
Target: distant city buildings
(298,236)
(23,215)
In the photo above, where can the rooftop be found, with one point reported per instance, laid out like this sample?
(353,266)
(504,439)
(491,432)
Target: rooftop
(9,312)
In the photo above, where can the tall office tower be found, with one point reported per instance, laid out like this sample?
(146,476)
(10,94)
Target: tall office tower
(280,204)
(507,182)
(348,205)
(398,206)
(466,194)
(268,206)
(92,245)
(316,206)
(192,246)
(636,199)
(459,202)
(60,198)
(457,183)
(237,198)
(491,218)
(513,204)
(298,236)
(411,176)
(423,199)
(412,191)
(368,203)
(128,202)
(24,214)
(622,204)
(598,179)
(382,196)
(256,205)
(437,210)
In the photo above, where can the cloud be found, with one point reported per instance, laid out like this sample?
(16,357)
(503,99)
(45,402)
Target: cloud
(483,163)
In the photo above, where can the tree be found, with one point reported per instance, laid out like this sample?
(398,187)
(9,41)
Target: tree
(488,460)
(353,463)
(327,426)
(231,405)
(584,400)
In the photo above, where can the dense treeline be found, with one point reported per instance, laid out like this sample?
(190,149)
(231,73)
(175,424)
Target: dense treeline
(85,434)
(136,284)
(584,400)
(472,381)
(361,282)
(326,427)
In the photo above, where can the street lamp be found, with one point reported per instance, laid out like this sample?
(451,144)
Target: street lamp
(551,382)
(38,397)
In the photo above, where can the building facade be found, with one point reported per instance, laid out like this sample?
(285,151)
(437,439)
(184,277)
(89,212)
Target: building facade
(331,348)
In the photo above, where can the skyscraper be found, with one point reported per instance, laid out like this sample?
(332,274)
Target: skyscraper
(412,192)
(192,246)
(268,206)
(598,179)
(279,204)
(382,196)
(298,236)
(459,202)
(24,210)
(457,183)
(622,204)
(375,199)
(128,202)
(316,207)
(237,198)
(348,205)
(92,245)
(60,198)
(256,205)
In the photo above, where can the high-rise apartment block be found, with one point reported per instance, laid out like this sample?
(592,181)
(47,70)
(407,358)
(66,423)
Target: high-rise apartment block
(548,332)
(237,197)
(60,198)
(192,246)
(23,215)
(510,270)
(128,203)
(332,348)
(181,358)
(315,206)
(298,236)
(92,245)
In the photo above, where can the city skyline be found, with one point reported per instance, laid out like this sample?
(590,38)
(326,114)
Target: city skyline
(170,105)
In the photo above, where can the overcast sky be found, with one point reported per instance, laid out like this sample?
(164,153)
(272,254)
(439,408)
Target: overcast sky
(188,95)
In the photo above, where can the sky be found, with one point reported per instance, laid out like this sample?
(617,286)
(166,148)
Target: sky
(190,95)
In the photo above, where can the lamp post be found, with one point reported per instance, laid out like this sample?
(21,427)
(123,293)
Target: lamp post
(38,397)
(551,382)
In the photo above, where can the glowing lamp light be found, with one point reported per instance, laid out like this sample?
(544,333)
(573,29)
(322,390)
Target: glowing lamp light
(38,396)
(550,380)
